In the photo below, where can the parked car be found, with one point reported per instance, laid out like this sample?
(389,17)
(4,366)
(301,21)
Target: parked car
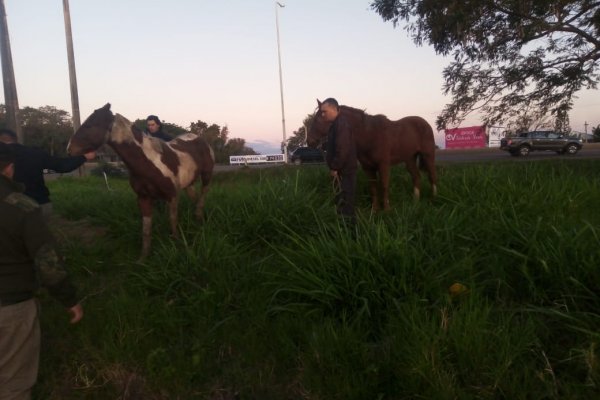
(527,142)
(306,155)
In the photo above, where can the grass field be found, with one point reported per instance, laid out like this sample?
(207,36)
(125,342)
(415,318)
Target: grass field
(272,299)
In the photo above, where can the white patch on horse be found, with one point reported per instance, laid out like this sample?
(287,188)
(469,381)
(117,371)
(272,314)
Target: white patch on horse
(121,130)
(186,137)
(187,169)
(148,146)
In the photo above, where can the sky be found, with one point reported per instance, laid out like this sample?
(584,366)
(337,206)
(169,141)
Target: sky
(217,61)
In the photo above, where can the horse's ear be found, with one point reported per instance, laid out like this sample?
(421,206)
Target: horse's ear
(106,106)
(319,103)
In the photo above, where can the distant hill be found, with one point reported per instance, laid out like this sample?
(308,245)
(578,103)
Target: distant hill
(264,147)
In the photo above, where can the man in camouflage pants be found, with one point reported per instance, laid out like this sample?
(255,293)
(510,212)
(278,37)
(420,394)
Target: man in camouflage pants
(27,259)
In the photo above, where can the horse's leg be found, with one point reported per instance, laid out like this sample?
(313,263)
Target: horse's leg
(145,205)
(200,204)
(429,160)
(384,176)
(173,204)
(191,192)
(413,170)
(372,177)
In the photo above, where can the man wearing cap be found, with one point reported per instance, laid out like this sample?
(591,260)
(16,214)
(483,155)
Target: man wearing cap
(28,259)
(341,157)
(30,163)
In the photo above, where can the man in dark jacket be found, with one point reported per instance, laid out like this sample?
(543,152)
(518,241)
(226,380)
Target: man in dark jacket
(30,163)
(27,259)
(155,128)
(341,157)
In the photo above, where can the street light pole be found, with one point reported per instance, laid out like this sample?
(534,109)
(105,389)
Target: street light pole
(284,143)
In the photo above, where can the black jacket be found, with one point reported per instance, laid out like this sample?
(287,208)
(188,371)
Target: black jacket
(28,257)
(161,135)
(341,146)
(30,163)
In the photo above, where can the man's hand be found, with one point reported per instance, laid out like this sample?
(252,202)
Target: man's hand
(90,155)
(76,312)
(334,173)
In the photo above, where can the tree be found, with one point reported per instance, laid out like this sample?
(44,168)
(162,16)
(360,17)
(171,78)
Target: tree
(237,147)
(214,135)
(506,53)
(218,138)
(47,127)
(596,133)
(298,138)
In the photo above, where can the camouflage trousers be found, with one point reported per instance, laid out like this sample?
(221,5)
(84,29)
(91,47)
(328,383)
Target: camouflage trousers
(46,210)
(19,349)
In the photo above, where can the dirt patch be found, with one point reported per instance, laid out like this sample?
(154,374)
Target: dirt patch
(81,230)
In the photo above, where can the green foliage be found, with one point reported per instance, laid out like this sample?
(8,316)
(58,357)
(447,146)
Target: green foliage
(507,55)
(596,133)
(218,138)
(46,127)
(237,146)
(51,129)
(272,299)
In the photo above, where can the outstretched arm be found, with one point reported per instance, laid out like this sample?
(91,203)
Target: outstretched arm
(66,164)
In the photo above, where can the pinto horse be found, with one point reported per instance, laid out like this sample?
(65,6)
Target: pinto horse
(157,170)
(381,143)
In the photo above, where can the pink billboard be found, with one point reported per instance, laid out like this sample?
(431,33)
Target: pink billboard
(472,136)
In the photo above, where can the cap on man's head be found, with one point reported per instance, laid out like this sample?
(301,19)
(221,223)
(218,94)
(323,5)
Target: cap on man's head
(10,133)
(7,155)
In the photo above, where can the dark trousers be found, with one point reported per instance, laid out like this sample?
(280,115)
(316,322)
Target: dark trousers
(344,199)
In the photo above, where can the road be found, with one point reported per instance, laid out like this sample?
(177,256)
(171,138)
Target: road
(589,150)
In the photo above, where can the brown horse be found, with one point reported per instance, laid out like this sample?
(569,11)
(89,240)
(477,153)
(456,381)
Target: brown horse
(157,170)
(381,143)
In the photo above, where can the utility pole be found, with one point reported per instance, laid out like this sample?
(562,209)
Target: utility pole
(8,78)
(72,74)
(284,143)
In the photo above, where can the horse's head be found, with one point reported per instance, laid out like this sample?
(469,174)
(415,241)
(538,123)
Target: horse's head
(93,132)
(318,128)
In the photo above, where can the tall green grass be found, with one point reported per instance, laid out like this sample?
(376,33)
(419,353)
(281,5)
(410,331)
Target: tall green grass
(271,298)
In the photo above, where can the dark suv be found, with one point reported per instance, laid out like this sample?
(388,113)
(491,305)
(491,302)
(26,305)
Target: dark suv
(305,155)
(526,142)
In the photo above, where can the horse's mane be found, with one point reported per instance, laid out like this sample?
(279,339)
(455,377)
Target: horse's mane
(370,120)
